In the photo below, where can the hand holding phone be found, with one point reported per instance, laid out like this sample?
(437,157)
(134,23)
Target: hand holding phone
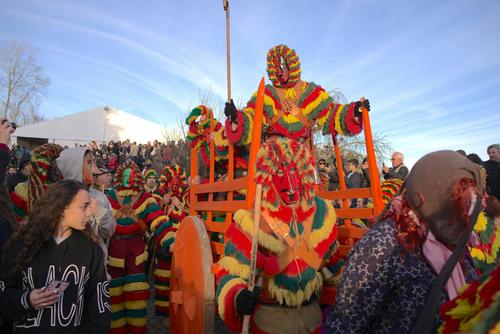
(57,286)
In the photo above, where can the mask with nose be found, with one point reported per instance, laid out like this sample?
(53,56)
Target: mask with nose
(287,183)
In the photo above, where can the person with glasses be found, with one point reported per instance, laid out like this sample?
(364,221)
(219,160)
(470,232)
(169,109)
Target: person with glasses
(398,169)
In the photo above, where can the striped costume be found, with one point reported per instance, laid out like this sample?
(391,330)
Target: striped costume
(135,212)
(289,262)
(173,184)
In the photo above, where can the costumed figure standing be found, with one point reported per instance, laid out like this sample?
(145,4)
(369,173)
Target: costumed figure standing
(173,185)
(298,229)
(43,173)
(200,135)
(136,212)
(297,238)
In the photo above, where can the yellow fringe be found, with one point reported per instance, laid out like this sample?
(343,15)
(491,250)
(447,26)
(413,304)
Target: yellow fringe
(284,296)
(481,223)
(329,221)
(135,304)
(119,323)
(117,307)
(147,202)
(169,235)
(337,119)
(220,139)
(162,303)
(113,292)
(314,104)
(161,288)
(141,258)
(136,286)
(127,192)
(225,289)
(268,101)
(244,218)
(138,322)
(162,272)
(22,190)
(157,221)
(234,267)
(117,263)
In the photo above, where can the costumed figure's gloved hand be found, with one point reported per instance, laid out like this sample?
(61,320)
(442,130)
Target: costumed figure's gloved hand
(230,111)
(357,109)
(247,300)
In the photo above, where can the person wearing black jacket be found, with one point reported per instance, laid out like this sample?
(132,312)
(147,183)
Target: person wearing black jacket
(53,279)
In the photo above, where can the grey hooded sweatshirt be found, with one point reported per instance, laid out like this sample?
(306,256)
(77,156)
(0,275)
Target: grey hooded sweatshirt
(70,163)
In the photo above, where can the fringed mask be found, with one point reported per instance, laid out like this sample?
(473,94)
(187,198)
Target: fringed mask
(283,66)
(173,179)
(128,177)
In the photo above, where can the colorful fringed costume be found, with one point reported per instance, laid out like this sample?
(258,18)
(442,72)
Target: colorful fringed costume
(484,245)
(135,212)
(292,108)
(174,185)
(290,281)
(199,135)
(476,309)
(42,164)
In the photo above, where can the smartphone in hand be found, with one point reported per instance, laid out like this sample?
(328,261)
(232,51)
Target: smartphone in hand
(58,286)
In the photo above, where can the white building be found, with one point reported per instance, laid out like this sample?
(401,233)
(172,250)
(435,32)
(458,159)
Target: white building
(101,124)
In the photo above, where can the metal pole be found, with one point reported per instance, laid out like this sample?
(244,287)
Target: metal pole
(228,49)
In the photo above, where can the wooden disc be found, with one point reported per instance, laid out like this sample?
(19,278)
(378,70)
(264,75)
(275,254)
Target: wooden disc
(192,285)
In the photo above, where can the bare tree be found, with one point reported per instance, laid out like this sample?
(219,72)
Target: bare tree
(22,82)
(351,147)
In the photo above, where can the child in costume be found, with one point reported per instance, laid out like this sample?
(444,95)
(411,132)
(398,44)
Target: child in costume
(136,211)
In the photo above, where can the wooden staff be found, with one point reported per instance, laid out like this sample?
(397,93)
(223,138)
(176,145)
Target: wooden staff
(253,254)
(228,49)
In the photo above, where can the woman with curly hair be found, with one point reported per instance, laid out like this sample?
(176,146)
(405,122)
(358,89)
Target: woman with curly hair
(406,265)
(52,279)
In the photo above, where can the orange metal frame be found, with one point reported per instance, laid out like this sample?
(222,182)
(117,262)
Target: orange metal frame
(348,233)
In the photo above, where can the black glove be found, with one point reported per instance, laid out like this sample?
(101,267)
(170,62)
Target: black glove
(247,301)
(230,111)
(359,104)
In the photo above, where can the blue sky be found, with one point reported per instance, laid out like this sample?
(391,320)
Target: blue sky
(431,69)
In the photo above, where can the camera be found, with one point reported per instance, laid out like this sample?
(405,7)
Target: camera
(12,124)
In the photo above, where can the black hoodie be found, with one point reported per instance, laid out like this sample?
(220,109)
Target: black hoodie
(84,305)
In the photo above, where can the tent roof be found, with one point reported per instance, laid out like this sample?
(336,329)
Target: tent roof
(101,124)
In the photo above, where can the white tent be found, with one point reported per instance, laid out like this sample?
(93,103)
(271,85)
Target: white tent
(101,124)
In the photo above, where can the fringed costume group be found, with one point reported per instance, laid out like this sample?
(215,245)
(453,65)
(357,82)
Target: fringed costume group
(135,211)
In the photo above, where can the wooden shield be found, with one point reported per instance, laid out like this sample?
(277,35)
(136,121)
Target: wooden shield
(192,285)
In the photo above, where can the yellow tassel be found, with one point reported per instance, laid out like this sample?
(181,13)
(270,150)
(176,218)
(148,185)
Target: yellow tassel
(314,104)
(169,235)
(127,192)
(234,267)
(329,221)
(220,139)
(161,288)
(117,263)
(149,201)
(285,296)
(156,222)
(138,322)
(225,289)
(141,258)
(117,307)
(481,223)
(136,286)
(113,292)
(162,272)
(135,304)
(162,303)
(244,219)
(118,323)
(290,93)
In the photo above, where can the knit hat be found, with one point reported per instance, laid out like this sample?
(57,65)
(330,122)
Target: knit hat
(150,172)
